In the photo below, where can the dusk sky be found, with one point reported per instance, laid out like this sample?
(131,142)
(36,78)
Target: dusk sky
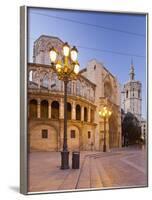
(113,39)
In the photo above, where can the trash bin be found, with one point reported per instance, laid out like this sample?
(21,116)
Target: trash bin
(75,160)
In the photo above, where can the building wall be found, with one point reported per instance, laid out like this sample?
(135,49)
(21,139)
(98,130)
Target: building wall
(96,87)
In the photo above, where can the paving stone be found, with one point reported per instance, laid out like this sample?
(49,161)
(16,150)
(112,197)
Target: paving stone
(119,168)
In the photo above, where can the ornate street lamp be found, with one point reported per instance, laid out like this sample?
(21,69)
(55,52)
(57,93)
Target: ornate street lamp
(105,113)
(66,67)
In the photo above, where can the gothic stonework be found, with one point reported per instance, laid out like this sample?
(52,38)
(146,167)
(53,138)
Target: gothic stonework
(132,95)
(95,88)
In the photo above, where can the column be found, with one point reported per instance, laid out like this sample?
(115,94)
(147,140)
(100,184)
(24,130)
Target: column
(38,108)
(89,113)
(73,111)
(61,109)
(82,113)
(49,111)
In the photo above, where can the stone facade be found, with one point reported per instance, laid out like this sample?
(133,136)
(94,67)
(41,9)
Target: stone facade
(132,100)
(94,88)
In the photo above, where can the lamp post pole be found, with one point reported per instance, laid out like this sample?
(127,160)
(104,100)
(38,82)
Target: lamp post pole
(65,152)
(105,113)
(104,141)
(67,69)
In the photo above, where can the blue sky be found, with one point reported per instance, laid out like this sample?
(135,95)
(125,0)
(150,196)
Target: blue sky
(117,47)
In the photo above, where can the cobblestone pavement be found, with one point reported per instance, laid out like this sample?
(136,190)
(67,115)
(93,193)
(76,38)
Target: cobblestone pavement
(119,168)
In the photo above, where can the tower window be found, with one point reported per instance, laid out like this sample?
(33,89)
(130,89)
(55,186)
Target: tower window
(94,67)
(138,93)
(127,94)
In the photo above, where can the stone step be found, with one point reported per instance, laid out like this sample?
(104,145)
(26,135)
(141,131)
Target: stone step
(96,181)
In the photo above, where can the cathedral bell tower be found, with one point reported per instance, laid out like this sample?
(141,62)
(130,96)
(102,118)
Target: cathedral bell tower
(132,95)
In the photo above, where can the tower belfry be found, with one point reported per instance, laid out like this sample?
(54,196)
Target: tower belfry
(132,94)
(132,72)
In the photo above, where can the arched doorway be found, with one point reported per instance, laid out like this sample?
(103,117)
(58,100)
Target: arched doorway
(43,138)
(69,111)
(113,132)
(78,112)
(85,114)
(55,110)
(44,109)
(33,108)
(73,138)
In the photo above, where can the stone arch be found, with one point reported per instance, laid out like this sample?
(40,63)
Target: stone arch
(36,140)
(85,114)
(55,110)
(33,108)
(45,79)
(69,111)
(44,109)
(92,115)
(78,112)
(107,89)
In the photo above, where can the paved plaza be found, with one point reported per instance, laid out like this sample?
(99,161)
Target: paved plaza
(119,168)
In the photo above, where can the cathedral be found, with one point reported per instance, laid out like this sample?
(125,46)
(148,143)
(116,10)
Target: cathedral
(95,88)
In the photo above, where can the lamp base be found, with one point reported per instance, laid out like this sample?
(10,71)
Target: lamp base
(64,159)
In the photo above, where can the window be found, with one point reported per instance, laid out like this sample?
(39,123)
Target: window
(89,134)
(94,67)
(138,93)
(44,109)
(44,133)
(85,114)
(72,133)
(78,112)
(127,94)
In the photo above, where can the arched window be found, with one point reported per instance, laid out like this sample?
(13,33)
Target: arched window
(44,109)
(127,94)
(85,114)
(69,88)
(133,92)
(92,115)
(31,75)
(78,112)
(55,110)
(45,80)
(68,111)
(138,93)
(33,108)
(78,87)
(54,81)
(107,89)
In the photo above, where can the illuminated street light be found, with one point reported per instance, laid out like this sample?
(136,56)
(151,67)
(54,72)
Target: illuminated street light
(67,69)
(105,113)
